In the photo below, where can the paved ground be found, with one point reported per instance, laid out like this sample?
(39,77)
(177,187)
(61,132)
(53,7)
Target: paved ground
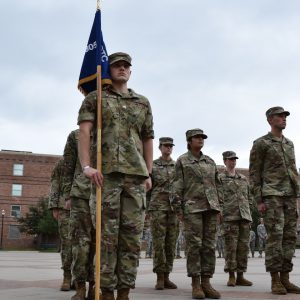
(36,276)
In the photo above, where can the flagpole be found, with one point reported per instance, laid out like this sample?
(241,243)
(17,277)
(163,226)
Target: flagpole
(98,190)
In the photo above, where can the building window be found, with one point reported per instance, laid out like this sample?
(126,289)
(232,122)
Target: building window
(18,170)
(16,211)
(16,190)
(14,232)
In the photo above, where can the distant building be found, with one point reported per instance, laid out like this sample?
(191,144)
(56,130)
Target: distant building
(24,179)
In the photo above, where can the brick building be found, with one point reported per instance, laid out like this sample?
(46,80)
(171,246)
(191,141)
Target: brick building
(24,179)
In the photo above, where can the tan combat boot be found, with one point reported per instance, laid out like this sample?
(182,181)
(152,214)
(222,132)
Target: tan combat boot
(241,280)
(290,287)
(160,282)
(66,284)
(277,287)
(123,294)
(208,290)
(231,279)
(80,291)
(197,292)
(168,284)
(107,295)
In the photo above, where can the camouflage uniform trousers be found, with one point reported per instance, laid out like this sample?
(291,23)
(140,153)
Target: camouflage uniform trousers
(83,240)
(123,214)
(252,247)
(65,240)
(165,229)
(221,246)
(236,236)
(261,245)
(281,223)
(200,235)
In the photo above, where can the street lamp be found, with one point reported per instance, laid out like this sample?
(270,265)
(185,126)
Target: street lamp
(2,215)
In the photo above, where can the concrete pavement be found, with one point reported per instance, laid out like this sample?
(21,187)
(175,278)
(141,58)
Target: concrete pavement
(36,276)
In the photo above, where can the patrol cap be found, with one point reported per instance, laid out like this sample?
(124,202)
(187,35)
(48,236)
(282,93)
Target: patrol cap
(192,132)
(276,110)
(166,141)
(229,154)
(119,56)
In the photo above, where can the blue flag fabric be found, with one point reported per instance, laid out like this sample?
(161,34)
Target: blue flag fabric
(95,55)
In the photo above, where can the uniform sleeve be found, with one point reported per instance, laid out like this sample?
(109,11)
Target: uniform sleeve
(250,198)
(88,109)
(255,170)
(54,188)
(70,159)
(147,129)
(178,188)
(220,190)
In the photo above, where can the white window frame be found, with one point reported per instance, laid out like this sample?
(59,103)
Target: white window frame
(18,169)
(11,211)
(16,190)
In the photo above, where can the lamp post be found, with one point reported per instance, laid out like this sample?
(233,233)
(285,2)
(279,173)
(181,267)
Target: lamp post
(2,215)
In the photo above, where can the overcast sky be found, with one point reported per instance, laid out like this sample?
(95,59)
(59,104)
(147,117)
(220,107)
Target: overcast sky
(216,65)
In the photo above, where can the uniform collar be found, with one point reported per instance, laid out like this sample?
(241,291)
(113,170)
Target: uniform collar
(130,95)
(194,158)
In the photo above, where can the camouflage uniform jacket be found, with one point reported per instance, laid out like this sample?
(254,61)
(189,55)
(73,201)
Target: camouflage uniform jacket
(126,121)
(76,184)
(197,185)
(163,173)
(236,196)
(272,168)
(56,199)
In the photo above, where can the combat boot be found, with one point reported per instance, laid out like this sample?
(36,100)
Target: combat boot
(107,295)
(168,284)
(160,281)
(80,291)
(277,287)
(123,294)
(241,280)
(290,287)
(66,284)
(208,290)
(197,292)
(231,279)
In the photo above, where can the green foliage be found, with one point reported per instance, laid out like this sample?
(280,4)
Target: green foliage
(39,220)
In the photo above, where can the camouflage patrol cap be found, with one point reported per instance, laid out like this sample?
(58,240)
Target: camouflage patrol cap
(119,56)
(166,141)
(276,110)
(229,154)
(192,132)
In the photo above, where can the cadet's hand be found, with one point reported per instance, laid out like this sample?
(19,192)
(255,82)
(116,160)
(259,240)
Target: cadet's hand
(68,204)
(55,213)
(148,184)
(261,207)
(95,176)
(220,218)
(180,217)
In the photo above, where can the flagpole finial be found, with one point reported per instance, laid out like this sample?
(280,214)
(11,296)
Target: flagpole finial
(98,4)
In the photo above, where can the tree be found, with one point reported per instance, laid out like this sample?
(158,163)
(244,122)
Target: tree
(39,220)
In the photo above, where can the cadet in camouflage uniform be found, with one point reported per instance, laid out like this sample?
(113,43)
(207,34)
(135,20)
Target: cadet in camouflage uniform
(236,220)
(275,184)
(77,190)
(127,155)
(164,223)
(262,236)
(252,240)
(220,241)
(197,203)
(62,214)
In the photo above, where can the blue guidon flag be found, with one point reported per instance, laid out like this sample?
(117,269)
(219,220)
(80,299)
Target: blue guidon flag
(95,55)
